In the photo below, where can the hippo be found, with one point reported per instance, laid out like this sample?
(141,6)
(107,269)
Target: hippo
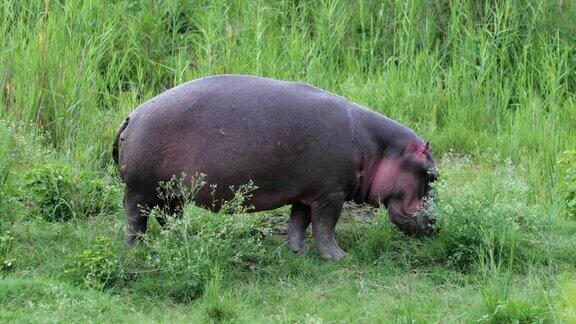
(297,144)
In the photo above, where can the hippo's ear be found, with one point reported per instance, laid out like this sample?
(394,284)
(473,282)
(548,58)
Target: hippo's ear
(420,149)
(425,148)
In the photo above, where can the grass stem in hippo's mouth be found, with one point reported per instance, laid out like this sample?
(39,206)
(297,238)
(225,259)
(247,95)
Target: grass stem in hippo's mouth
(489,84)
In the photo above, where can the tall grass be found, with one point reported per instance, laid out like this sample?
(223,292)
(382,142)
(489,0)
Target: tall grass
(469,76)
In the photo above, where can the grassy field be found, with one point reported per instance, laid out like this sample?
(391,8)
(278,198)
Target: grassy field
(491,84)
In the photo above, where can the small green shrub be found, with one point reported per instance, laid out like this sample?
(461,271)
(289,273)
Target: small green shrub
(567,181)
(52,188)
(484,218)
(97,195)
(59,193)
(180,257)
(514,311)
(501,307)
(97,267)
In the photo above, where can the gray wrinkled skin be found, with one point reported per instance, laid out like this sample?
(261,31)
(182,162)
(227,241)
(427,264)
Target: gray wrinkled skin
(300,145)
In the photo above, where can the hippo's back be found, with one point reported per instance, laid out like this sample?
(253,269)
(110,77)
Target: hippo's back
(288,138)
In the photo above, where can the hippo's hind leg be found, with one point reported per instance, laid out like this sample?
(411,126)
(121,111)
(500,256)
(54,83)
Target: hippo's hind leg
(173,209)
(136,205)
(299,221)
(325,214)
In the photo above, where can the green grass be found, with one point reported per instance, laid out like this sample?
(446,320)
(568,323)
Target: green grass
(490,84)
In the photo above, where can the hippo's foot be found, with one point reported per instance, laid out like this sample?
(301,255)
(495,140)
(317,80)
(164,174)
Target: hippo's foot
(298,246)
(133,236)
(332,252)
(131,239)
(325,215)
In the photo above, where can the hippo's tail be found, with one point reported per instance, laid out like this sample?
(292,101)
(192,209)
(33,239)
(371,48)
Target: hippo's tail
(115,149)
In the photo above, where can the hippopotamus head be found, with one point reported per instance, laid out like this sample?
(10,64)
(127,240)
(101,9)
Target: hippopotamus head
(401,182)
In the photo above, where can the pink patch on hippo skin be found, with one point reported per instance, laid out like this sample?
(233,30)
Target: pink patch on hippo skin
(382,179)
(389,180)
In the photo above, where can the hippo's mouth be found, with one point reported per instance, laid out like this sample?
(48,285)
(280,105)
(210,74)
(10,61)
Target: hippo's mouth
(423,220)
(417,224)
(423,223)
(414,222)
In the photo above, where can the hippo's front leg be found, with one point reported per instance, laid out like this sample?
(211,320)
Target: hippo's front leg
(325,214)
(299,222)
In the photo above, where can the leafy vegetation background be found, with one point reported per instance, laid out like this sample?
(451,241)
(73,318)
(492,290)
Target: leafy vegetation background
(491,84)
